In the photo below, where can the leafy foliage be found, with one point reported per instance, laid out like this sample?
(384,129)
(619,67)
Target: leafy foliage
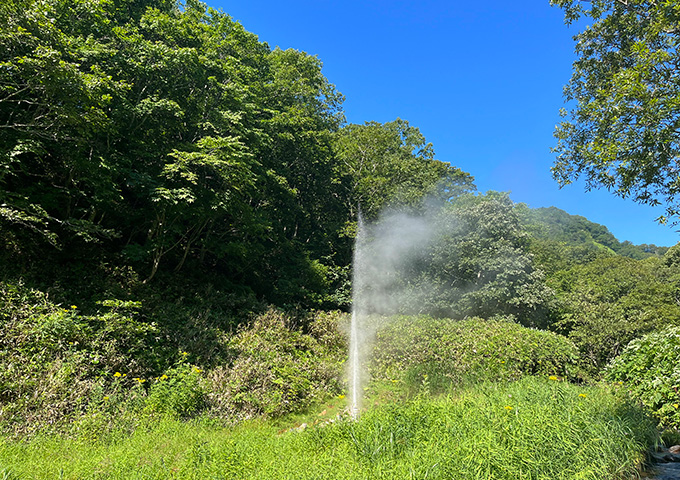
(622,133)
(468,258)
(170,136)
(453,352)
(278,369)
(390,166)
(649,368)
(610,301)
(53,359)
(178,392)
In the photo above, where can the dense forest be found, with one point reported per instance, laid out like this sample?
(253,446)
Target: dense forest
(179,202)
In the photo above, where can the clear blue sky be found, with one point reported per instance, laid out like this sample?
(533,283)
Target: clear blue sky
(482,81)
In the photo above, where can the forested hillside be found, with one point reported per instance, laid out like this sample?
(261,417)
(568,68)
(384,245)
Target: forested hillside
(169,140)
(179,201)
(552,225)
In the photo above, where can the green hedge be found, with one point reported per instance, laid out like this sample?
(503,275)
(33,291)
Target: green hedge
(450,351)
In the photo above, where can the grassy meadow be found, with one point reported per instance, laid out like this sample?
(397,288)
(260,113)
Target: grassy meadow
(534,428)
(463,399)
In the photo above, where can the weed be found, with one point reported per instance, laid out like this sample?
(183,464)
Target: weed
(532,428)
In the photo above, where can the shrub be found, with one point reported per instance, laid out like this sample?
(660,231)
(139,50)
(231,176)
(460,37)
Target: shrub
(450,351)
(649,367)
(278,368)
(53,358)
(178,392)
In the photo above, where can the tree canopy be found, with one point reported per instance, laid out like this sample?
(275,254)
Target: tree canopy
(622,131)
(173,139)
(390,165)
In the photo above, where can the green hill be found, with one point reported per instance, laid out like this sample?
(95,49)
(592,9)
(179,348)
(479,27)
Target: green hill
(578,237)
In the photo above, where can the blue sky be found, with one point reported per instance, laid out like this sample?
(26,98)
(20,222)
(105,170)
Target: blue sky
(482,81)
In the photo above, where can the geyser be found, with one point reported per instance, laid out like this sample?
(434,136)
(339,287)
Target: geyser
(467,258)
(355,337)
(381,251)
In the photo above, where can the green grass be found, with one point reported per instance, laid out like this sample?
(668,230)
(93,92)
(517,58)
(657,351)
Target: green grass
(535,428)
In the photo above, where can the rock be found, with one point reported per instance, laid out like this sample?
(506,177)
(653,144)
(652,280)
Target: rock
(299,428)
(668,471)
(665,464)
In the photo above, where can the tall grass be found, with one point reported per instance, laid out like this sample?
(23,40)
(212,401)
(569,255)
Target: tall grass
(535,428)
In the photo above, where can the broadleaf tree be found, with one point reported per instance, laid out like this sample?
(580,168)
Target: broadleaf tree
(622,130)
(391,165)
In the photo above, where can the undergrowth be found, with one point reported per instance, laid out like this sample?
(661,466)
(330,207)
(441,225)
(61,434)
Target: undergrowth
(63,366)
(650,370)
(458,351)
(535,428)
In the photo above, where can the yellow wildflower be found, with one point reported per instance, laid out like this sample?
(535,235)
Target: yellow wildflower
(117,374)
(582,395)
(198,370)
(508,407)
(184,354)
(163,377)
(341,397)
(552,377)
(74,307)
(106,398)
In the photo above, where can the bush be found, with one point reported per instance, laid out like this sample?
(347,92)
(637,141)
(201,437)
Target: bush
(53,358)
(277,368)
(178,392)
(649,367)
(450,351)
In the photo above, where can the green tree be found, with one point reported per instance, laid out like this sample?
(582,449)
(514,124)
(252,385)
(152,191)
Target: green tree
(611,301)
(623,130)
(467,258)
(391,165)
(481,265)
(172,136)
(54,116)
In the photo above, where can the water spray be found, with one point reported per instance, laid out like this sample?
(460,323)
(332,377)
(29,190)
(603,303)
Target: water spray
(355,330)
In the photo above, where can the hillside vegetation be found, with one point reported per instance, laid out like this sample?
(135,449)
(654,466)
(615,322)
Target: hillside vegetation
(178,209)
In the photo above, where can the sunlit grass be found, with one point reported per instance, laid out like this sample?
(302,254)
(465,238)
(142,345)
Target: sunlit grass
(535,429)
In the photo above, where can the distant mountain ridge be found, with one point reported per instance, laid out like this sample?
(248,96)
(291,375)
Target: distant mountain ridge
(555,225)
